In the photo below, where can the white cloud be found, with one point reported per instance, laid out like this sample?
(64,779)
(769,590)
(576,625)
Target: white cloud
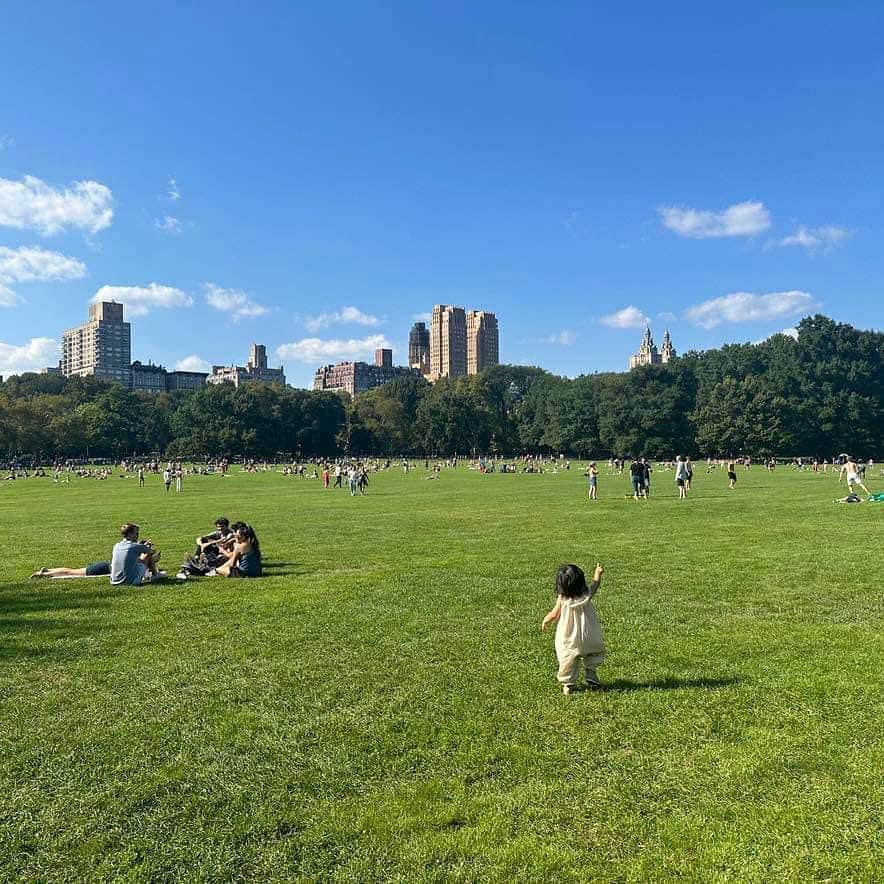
(344,315)
(193,363)
(628,317)
(172,191)
(564,338)
(335,349)
(36,355)
(168,224)
(740,219)
(233,301)
(817,238)
(788,332)
(32,204)
(746,307)
(30,264)
(140,300)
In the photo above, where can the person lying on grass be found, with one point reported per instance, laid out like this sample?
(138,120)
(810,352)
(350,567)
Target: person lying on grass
(94,569)
(244,560)
(132,563)
(578,632)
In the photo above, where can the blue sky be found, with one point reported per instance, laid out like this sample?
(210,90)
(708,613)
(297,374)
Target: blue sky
(314,176)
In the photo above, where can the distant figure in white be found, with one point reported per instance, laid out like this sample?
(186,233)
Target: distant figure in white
(852,470)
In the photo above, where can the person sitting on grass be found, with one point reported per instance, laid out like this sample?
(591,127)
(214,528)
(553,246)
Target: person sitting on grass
(133,563)
(138,555)
(211,550)
(244,560)
(209,542)
(578,631)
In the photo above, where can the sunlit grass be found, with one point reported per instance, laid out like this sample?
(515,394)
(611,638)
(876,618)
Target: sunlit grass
(382,705)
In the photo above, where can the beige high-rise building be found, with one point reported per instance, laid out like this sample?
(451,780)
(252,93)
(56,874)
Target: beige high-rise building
(482,341)
(102,346)
(448,342)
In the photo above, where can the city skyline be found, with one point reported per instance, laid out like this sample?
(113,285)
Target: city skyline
(578,195)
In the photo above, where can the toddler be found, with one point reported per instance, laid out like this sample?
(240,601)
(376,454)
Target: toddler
(578,633)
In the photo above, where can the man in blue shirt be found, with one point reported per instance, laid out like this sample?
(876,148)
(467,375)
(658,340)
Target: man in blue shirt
(133,563)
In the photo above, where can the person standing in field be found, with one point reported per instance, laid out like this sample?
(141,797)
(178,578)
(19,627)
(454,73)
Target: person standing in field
(179,479)
(646,476)
(681,478)
(167,478)
(850,467)
(637,475)
(579,637)
(141,477)
(593,475)
(731,474)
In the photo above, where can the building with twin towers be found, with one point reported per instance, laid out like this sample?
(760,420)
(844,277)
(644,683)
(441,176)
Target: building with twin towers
(458,342)
(648,354)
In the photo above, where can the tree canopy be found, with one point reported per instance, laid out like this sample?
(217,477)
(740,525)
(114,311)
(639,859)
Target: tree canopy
(816,394)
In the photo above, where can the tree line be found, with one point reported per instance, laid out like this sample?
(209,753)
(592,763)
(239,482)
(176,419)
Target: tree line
(819,394)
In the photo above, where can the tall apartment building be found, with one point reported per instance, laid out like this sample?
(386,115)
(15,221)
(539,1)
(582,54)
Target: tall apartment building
(419,348)
(483,344)
(255,370)
(102,346)
(383,358)
(448,342)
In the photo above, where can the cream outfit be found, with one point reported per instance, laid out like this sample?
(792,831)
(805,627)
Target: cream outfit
(579,637)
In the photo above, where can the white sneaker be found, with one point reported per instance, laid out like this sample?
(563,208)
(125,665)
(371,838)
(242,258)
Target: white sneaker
(568,689)
(181,575)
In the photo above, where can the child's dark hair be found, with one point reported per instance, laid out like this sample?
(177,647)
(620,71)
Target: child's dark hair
(570,582)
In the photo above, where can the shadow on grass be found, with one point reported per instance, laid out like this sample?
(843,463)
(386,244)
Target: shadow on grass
(622,685)
(31,625)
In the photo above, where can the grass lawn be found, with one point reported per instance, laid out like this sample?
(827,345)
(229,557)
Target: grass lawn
(383,706)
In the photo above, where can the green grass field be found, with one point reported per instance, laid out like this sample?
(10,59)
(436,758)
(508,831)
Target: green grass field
(383,706)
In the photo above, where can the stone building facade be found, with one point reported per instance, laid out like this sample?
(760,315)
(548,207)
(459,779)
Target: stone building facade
(357,377)
(255,370)
(648,354)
